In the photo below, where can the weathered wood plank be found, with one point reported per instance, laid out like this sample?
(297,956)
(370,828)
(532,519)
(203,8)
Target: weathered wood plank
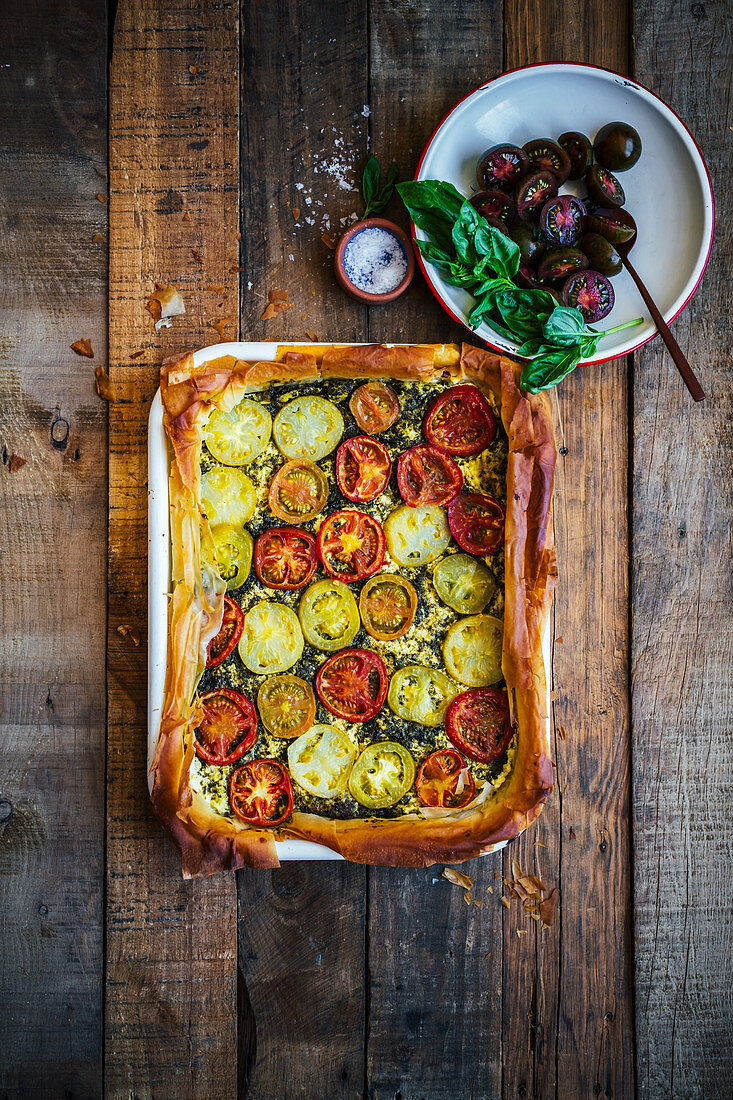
(171,946)
(568,1027)
(682,642)
(301,928)
(434,963)
(53,514)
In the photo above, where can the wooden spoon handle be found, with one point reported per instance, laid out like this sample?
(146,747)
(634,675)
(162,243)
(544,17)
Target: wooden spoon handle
(688,375)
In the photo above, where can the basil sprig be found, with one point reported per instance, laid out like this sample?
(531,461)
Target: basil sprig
(375,194)
(473,255)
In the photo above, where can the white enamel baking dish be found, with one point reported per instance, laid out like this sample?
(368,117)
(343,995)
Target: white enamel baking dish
(159,576)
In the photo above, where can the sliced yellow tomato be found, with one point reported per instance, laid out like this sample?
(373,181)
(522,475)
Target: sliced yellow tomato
(384,772)
(237,436)
(472,650)
(320,761)
(464,583)
(328,615)
(308,427)
(416,536)
(228,495)
(420,694)
(287,705)
(233,549)
(272,640)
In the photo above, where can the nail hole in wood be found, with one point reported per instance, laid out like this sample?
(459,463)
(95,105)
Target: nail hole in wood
(43,910)
(563,451)
(6,810)
(60,433)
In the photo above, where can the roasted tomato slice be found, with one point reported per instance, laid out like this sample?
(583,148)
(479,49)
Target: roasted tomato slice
(427,476)
(285,557)
(222,644)
(298,491)
(476,522)
(382,775)
(287,705)
(363,467)
(444,781)
(387,604)
(460,421)
(375,407)
(260,792)
(352,684)
(228,727)
(351,545)
(478,723)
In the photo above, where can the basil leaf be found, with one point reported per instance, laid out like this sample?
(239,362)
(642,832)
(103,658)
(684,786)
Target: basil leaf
(381,199)
(420,196)
(550,367)
(370,181)
(565,325)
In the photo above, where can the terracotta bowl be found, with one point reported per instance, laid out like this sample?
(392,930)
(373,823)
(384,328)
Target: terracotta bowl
(364,295)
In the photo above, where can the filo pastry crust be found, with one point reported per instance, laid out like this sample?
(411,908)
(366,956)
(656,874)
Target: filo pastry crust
(212,842)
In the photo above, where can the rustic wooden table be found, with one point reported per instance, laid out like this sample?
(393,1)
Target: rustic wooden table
(328,980)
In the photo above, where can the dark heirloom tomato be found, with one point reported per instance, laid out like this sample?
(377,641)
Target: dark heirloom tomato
(222,644)
(351,545)
(476,522)
(363,467)
(387,605)
(460,421)
(227,729)
(260,792)
(285,557)
(445,781)
(375,407)
(478,723)
(298,491)
(427,476)
(352,684)
(287,705)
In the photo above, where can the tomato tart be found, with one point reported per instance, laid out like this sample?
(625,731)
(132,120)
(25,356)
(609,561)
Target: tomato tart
(362,565)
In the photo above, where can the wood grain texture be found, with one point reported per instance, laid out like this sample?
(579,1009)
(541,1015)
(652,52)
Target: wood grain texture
(301,928)
(434,962)
(170,1026)
(682,639)
(52,514)
(568,992)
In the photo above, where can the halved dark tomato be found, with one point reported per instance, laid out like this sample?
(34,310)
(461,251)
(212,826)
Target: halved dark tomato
(287,705)
(228,728)
(460,421)
(352,684)
(476,522)
(351,545)
(375,407)
(427,476)
(285,557)
(260,792)
(298,491)
(444,780)
(387,604)
(478,723)
(222,644)
(363,467)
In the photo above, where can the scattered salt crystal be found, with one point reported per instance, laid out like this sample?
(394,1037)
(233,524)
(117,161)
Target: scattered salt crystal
(366,110)
(299,186)
(375,260)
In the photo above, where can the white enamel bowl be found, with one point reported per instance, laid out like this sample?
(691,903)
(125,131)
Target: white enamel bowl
(668,191)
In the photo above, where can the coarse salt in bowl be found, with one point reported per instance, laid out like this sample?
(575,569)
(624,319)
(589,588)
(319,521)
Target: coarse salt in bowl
(374,261)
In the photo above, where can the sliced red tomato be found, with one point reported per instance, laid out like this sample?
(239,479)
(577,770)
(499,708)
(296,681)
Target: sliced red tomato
(444,780)
(287,705)
(352,684)
(375,407)
(298,491)
(387,604)
(476,522)
(363,467)
(427,476)
(285,557)
(228,728)
(478,723)
(261,793)
(222,644)
(351,545)
(460,421)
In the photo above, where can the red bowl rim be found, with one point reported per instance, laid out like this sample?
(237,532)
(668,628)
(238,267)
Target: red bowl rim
(559,65)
